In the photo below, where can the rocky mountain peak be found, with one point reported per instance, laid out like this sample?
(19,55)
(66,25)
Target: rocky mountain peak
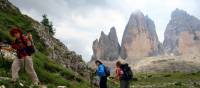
(137,13)
(102,33)
(139,38)
(112,31)
(178,13)
(182,34)
(136,18)
(113,34)
(107,48)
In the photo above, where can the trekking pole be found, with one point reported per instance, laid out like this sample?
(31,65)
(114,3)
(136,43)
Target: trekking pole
(2,58)
(24,65)
(90,79)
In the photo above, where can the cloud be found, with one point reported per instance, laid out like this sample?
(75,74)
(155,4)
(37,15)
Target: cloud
(82,30)
(80,22)
(74,21)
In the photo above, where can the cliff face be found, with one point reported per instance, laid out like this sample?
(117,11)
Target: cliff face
(107,47)
(182,35)
(140,38)
(59,52)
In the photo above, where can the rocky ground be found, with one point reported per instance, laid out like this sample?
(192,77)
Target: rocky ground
(188,63)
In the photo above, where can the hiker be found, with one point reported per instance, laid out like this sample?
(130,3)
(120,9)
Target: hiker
(123,74)
(101,72)
(24,50)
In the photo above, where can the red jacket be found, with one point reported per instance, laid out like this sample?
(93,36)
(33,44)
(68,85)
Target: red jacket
(20,46)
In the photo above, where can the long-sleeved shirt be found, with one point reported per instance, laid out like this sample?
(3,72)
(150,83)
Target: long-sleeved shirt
(20,47)
(101,70)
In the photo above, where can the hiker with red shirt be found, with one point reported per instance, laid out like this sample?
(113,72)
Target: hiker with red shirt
(22,46)
(118,71)
(119,74)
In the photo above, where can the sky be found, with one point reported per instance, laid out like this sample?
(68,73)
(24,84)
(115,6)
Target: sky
(79,22)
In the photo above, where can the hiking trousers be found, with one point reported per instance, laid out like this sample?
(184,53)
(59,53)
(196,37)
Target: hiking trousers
(103,82)
(28,63)
(124,84)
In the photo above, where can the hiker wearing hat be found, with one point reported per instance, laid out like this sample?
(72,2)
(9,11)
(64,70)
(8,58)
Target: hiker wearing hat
(24,49)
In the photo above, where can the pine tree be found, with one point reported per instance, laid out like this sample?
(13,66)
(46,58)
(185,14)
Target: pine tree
(48,24)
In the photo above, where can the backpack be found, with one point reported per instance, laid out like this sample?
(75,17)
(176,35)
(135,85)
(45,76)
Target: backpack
(107,71)
(127,72)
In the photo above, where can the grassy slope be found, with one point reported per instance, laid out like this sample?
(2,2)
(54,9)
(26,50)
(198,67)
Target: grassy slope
(49,72)
(167,80)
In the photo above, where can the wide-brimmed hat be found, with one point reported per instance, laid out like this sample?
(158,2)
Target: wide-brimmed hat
(15,30)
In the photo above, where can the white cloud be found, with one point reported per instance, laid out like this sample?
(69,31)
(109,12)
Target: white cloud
(82,30)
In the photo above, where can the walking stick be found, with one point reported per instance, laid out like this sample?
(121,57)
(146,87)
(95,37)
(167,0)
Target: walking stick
(1,57)
(24,65)
(91,85)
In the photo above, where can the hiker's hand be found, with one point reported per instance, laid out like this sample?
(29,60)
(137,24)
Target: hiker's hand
(28,43)
(30,36)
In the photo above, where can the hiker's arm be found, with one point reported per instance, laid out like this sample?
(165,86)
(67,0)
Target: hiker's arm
(117,74)
(30,36)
